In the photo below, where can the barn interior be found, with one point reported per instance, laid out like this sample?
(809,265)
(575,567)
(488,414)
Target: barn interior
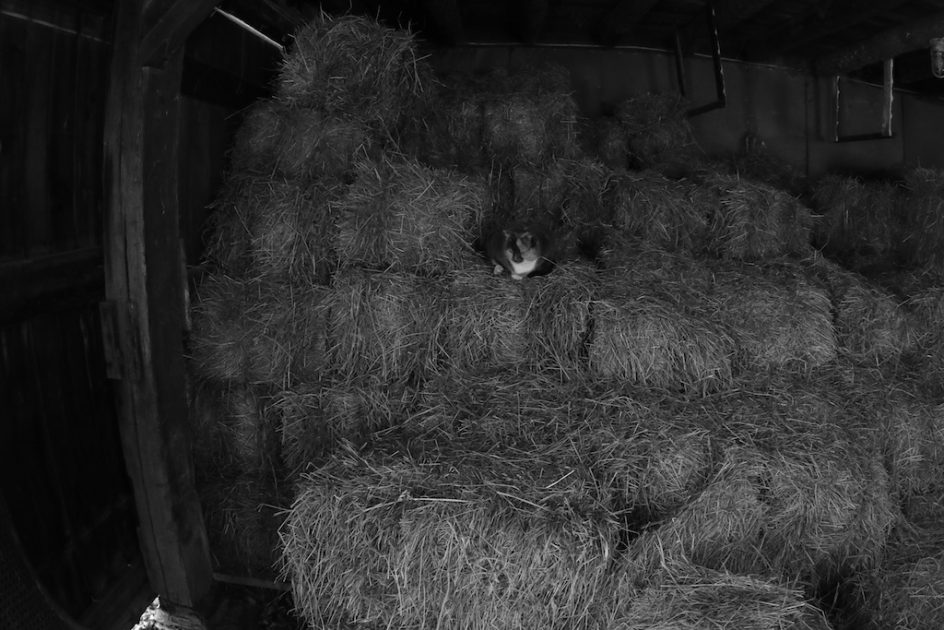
(264,364)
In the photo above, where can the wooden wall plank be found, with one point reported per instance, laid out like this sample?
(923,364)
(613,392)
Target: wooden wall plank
(50,284)
(51,115)
(13,78)
(143,280)
(60,455)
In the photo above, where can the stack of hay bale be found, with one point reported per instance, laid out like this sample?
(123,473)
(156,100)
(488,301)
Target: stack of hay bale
(694,420)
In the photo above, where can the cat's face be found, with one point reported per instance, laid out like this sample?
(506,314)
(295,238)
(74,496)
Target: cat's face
(522,248)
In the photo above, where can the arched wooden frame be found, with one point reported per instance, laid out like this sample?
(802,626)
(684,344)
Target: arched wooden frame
(144,314)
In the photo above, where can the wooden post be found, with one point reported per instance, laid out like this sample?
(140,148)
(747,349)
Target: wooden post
(144,292)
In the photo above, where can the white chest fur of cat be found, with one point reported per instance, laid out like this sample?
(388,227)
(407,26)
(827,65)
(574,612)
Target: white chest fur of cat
(520,252)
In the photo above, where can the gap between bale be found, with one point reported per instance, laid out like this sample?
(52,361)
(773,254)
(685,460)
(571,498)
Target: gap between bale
(871,325)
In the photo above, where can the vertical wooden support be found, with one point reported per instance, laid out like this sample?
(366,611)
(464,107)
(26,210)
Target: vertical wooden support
(144,288)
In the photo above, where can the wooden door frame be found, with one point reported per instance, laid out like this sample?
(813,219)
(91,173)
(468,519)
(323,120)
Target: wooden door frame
(143,315)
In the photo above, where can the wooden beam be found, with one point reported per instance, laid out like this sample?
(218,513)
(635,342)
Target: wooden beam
(840,16)
(886,45)
(59,17)
(144,289)
(227,65)
(167,24)
(622,17)
(728,14)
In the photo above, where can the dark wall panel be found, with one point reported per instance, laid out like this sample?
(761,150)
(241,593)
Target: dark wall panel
(53,85)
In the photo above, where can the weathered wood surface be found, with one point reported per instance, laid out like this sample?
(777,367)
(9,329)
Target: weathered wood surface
(167,24)
(886,45)
(145,284)
(52,83)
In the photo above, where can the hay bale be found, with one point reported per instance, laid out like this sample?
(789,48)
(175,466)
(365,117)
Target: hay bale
(796,485)
(923,203)
(646,264)
(915,442)
(257,331)
(229,243)
(402,216)
(754,221)
(908,591)
(258,136)
(871,324)
(770,317)
(384,324)
(472,540)
(669,214)
(298,143)
(446,131)
(246,432)
(315,419)
(656,335)
(512,408)
(243,515)
(859,222)
(270,226)
(561,192)
(799,515)
(351,67)
(648,464)
(690,597)
(776,317)
(529,115)
(870,406)
(926,311)
(756,162)
(486,322)
(659,134)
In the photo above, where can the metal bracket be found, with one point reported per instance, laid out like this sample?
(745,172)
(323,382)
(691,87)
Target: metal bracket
(888,95)
(722,99)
